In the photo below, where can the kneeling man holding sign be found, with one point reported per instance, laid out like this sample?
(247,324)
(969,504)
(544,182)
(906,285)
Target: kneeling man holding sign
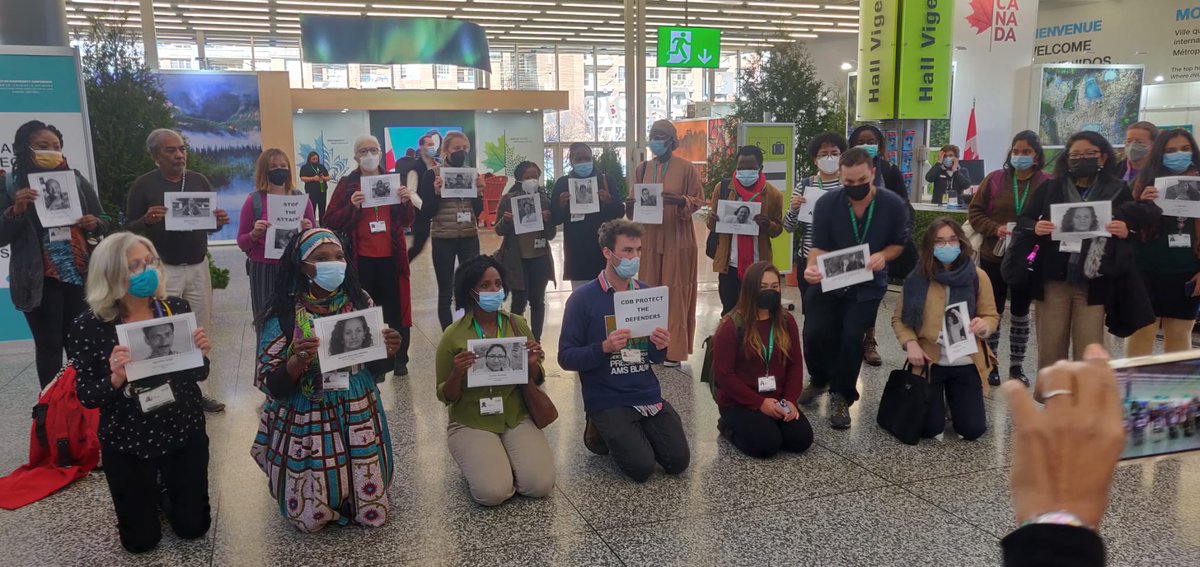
(614,328)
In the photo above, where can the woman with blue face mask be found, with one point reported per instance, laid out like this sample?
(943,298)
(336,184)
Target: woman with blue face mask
(948,177)
(945,277)
(492,433)
(1001,197)
(526,255)
(582,258)
(153,428)
(315,280)
(1167,251)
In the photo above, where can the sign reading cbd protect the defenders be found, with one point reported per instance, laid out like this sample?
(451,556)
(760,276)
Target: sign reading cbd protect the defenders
(689,47)
(926,29)
(876,59)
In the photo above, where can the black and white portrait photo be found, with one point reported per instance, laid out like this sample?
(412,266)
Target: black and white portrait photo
(160,345)
(58,204)
(737,217)
(1178,196)
(647,208)
(956,332)
(283,236)
(528,213)
(498,362)
(583,195)
(351,338)
(459,182)
(1080,220)
(190,211)
(381,190)
(647,198)
(845,267)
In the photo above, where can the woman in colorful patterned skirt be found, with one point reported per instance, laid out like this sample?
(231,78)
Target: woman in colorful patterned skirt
(322,439)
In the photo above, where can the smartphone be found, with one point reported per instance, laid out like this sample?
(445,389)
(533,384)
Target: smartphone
(1160,396)
(1189,288)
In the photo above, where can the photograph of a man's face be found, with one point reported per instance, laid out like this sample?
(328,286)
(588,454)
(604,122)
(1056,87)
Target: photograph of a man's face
(159,338)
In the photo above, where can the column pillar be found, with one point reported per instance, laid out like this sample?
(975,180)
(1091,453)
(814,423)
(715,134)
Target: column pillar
(632,99)
(34,23)
(149,34)
(201,56)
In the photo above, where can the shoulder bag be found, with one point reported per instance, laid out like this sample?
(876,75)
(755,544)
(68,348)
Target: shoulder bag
(904,404)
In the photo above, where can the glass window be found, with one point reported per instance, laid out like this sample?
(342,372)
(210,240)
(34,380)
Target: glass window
(444,72)
(374,77)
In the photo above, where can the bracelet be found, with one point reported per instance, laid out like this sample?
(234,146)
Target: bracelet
(1061,518)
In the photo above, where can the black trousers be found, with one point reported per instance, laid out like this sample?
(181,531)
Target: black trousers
(50,322)
(1021,300)
(834,325)
(133,483)
(962,389)
(537,273)
(637,442)
(317,197)
(445,251)
(420,235)
(380,278)
(801,283)
(762,437)
(729,287)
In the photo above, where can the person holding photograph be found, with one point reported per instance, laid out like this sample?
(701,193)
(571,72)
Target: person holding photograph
(670,247)
(1068,287)
(314,280)
(1080,219)
(499,449)
(736,253)
(648,199)
(413,172)
(759,370)
(824,150)
(350,335)
(142,449)
(526,257)
(626,412)
(582,258)
(380,252)
(272,176)
(925,328)
(1168,251)
(453,221)
(46,277)
(948,178)
(160,339)
(836,321)
(1001,198)
(316,178)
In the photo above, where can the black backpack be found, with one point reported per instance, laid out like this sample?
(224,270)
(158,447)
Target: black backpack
(706,370)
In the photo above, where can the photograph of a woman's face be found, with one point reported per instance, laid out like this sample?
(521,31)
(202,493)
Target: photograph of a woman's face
(350,335)
(1080,219)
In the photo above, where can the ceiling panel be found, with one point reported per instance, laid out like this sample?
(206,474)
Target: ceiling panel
(570,23)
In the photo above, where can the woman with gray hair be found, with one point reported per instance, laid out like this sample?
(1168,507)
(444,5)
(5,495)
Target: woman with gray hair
(152,432)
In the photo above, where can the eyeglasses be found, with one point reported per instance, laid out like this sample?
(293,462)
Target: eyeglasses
(368,151)
(952,241)
(138,266)
(1084,155)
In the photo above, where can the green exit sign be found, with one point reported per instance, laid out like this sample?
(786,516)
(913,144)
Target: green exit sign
(689,47)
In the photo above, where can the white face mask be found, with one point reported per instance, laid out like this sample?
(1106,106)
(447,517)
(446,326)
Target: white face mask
(369,162)
(828,164)
(529,185)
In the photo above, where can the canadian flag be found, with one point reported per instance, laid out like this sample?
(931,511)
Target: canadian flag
(971,149)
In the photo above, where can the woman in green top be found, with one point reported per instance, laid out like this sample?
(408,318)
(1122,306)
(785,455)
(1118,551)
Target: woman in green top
(491,434)
(1167,251)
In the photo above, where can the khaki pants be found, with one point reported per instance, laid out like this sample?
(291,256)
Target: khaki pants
(498,466)
(194,284)
(1066,324)
(1177,337)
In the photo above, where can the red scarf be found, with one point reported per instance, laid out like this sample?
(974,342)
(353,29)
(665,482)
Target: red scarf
(745,244)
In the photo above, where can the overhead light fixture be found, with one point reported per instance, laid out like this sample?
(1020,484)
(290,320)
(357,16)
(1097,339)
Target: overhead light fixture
(1159,79)
(837,7)
(345,110)
(846,66)
(299,111)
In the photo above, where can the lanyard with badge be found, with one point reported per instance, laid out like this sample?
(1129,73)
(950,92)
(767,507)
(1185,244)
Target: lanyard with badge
(493,404)
(152,394)
(767,383)
(628,355)
(1181,238)
(860,238)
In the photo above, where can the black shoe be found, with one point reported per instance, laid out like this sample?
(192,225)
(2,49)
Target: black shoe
(379,378)
(401,369)
(994,377)
(1018,373)
(811,393)
(592,439)
(724,431)
(211,406)
(839,412)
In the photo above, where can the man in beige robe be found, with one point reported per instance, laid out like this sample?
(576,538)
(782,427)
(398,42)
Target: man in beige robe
(669,249)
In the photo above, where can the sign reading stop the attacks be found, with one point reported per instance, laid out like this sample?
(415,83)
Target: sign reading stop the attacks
(689,47)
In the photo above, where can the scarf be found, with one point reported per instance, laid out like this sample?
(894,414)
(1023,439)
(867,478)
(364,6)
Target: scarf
(1085,265)
(745,244)
(962,281)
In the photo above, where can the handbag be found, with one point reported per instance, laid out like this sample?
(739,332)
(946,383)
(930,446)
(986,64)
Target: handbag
(537,402)
(904,404)
(974,237)
(1018,268)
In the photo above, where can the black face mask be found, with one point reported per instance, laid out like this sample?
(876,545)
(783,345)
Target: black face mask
(857,192)
(769,299)
(278,176)
(457,159)
(1084,167)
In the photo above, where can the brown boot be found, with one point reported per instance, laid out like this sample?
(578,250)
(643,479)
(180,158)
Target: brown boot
(870,352)
(592,439)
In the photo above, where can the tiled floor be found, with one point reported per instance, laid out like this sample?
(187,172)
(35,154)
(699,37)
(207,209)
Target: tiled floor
(855,498)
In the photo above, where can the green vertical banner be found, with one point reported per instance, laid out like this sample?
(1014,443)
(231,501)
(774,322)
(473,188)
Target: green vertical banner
(878,25)
(778,144)
(926,53)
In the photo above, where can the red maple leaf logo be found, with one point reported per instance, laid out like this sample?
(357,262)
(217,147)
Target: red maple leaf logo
(981,15)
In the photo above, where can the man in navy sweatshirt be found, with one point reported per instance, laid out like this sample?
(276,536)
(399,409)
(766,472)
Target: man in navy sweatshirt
(626,414)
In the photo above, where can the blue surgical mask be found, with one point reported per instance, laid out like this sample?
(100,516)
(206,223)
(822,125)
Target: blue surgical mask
(747,177)
(431,152)
(490,301)
(658,147)
(628,267)
(946,162)
(145,284)
(1021,163)
(947,254)
(871,149)
(330,275)
(583,169)
(1177,162)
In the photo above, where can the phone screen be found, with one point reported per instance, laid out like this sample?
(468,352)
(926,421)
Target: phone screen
(1160,396)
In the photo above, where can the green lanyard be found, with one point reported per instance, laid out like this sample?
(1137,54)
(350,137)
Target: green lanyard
(499,327)
(854,222)
(1020,202)
(666,166)
(768,351)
